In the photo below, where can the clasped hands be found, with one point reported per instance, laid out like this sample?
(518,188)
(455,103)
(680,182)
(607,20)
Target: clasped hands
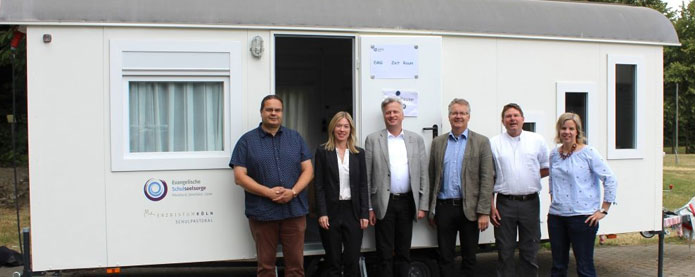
(279,194)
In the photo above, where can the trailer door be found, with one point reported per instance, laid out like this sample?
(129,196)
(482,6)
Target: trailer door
(408,67)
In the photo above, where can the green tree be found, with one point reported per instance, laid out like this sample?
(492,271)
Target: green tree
(654,4)
(12,59)
(679,68)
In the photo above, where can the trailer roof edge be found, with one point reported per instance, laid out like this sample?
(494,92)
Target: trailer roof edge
(508,17)
(340,30)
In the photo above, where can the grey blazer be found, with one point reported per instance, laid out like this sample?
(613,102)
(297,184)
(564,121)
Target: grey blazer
(379,173)
(477,178)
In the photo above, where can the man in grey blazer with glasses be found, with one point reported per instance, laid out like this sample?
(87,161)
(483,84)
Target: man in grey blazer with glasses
(399,188)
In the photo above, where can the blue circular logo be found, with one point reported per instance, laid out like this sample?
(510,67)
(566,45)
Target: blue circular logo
(155,189)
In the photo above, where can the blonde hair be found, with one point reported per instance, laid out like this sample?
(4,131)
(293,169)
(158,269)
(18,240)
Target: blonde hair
(577,121)
(351,140)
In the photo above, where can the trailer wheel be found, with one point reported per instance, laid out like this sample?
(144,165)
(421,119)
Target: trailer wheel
(647,234)
(313,266)
(423,267)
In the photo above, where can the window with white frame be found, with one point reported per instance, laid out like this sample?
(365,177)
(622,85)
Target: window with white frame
(625,84)
(179,116)
(625,106)
(534,121)
(579,98)
(171,104)
(529,126)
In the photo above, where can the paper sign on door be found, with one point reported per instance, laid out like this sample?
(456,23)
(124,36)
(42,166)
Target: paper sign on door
(409,99)
(394,61)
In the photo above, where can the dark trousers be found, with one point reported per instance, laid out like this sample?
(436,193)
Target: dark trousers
(450,220)
(524,216)
(342,241)
(290,233)
(393,235)
(566,230)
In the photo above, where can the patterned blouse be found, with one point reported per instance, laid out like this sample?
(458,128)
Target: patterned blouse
(575,182)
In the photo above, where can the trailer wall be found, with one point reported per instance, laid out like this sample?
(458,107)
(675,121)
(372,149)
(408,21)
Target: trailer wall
(85,214)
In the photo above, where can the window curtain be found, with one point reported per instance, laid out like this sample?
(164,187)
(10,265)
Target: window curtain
(176,116)
(296,109)
(301,104)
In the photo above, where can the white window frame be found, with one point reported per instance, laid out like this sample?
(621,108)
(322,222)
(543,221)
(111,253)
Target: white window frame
(191,70)
(638,62)
(592,112)
(532,116)
(537,117)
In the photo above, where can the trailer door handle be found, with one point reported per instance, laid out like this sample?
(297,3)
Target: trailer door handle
(435,130)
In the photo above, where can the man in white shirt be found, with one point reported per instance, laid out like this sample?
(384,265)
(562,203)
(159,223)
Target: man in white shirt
(521,160)
(399,188)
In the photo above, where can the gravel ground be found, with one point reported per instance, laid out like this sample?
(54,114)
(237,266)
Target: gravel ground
(631,260)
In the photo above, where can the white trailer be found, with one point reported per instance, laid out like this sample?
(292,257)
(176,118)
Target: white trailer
(135,106)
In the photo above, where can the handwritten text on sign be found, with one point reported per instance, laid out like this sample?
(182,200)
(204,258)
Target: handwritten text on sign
(394,61)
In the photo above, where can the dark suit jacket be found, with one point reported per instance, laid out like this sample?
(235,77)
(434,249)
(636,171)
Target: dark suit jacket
(477,174)
(327,183)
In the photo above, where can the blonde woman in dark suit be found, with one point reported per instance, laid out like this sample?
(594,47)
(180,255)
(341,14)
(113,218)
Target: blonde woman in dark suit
(341,196)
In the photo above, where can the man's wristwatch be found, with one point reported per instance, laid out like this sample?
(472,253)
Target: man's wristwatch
(603,211)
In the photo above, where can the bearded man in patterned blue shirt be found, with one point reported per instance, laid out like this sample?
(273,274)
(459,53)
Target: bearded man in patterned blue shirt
(273,165)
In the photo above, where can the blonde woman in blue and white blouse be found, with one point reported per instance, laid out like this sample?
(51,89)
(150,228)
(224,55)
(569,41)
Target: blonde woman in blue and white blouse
(577,171)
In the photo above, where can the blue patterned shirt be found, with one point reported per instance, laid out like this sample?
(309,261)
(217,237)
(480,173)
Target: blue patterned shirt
(453,163)
(272,161)
(575,182)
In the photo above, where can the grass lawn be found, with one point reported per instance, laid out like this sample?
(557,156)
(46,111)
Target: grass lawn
(682,177)
(669,149)
(8,226)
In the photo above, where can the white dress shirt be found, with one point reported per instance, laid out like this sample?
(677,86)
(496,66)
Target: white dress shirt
(518,161)
(398,164)
(344,174)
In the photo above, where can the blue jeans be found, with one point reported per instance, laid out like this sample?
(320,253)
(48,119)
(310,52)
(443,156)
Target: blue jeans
(566,230)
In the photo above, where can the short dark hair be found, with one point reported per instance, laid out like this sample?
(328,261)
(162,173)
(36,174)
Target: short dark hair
(512,106)
(268,97)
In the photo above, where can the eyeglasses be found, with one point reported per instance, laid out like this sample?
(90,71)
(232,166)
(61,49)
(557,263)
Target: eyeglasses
(458,113)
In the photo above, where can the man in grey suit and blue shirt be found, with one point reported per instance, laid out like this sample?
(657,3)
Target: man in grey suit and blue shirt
(399,187)
(461,174)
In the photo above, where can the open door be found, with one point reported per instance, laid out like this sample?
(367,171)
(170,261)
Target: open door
(410,68)
(314,77)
